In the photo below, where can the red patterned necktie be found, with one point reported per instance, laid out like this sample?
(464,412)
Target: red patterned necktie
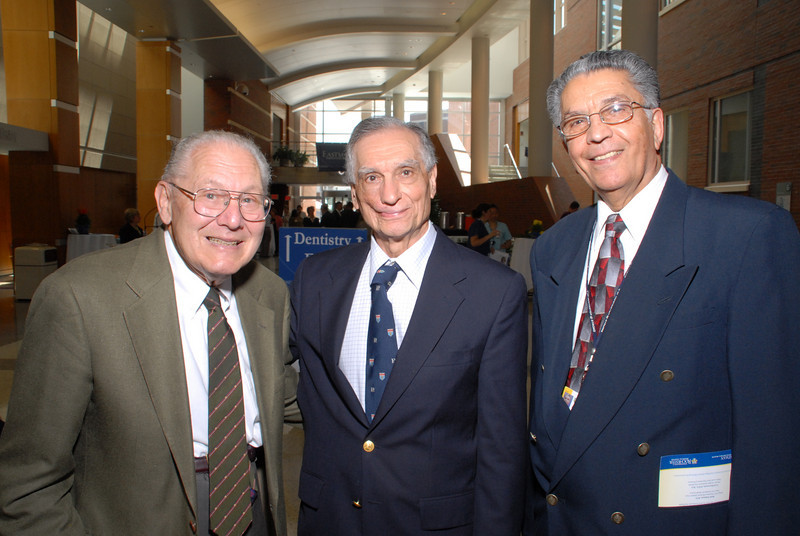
(228,463)
(607,275)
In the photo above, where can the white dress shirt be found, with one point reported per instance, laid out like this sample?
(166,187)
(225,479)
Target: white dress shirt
(402,294)
(190,291)
(636,215)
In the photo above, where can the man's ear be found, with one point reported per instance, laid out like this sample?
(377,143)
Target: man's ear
(657,122)
(432,181)
(162,195)
(354,197)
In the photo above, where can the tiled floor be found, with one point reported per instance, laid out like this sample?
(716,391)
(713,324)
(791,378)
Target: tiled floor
(12,325)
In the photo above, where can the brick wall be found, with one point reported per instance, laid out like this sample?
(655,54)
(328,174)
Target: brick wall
(715,48)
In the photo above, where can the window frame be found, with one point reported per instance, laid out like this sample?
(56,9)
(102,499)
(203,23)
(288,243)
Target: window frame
(715,142)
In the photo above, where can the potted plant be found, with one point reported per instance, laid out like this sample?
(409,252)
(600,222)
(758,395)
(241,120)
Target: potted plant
(283,155)
(299,158)
(82,222)
(535,229)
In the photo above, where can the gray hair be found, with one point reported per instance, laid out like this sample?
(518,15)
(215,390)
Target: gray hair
(181,158)
(375,124)
(642,76)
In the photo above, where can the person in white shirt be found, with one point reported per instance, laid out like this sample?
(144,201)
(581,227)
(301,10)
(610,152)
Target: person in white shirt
(664,323)
(413,398)
(108,423)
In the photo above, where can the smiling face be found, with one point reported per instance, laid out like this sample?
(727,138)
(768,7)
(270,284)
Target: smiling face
(392,188)
(617,161)
(213,248)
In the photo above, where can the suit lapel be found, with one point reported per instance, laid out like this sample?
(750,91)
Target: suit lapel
(655,284)
(153,326)
(561,288)
(336,299)
(437,303)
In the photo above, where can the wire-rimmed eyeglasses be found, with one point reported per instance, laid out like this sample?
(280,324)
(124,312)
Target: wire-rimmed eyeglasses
(211,202)
(612,114)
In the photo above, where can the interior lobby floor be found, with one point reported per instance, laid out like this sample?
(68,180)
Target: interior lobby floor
(12,326)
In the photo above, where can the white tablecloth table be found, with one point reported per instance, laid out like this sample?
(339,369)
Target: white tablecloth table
(80,244)
(521,259)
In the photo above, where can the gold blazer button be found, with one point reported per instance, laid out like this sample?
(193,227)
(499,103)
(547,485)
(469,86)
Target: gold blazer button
(368,446)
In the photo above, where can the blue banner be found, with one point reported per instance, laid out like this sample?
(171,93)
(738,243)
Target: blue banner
(297,243)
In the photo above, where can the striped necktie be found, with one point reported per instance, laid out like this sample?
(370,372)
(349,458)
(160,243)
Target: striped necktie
(228,463)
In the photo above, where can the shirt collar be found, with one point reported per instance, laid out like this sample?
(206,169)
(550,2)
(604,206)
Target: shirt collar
(639,210)
(190,290)
(412,261)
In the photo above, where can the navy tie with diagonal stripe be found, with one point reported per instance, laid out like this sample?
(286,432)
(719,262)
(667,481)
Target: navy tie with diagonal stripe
(228,463)
(606,278)
(382,340)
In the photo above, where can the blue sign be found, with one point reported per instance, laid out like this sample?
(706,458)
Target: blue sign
(297,243)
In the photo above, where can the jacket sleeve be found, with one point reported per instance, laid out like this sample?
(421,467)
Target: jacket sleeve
(763,355)
(501,430)
(52,388)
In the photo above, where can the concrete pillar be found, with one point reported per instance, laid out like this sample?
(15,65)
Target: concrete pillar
(158,114)
(41,69)
(540,142)
(479,145)
(387,107)
(398,106)
(435,92)
(640,29)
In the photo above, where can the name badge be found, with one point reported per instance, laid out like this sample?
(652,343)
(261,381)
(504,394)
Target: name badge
(694,479)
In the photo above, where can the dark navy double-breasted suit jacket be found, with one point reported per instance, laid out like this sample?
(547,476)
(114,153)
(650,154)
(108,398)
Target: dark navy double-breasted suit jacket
(699,354)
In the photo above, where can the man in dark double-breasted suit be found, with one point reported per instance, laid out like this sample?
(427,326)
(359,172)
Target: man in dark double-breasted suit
(443,452)
(686,419)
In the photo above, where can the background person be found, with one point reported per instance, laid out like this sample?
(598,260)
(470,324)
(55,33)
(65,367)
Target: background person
(500,244)
(479,237)
(131,230)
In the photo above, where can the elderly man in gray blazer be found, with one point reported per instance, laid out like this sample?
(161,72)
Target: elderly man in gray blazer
(108,429)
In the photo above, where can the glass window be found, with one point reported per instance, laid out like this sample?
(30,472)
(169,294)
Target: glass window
(675,149)
(610,24)
(559,15)
(334,120)
(730,139)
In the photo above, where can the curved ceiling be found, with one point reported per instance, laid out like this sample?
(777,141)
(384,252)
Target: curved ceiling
(310,50)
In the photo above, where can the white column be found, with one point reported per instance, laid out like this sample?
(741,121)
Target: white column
(479,146)
(398,106)
(435,92)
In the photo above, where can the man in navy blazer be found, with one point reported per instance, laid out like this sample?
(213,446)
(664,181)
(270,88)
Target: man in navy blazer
(687,419)
(445,451)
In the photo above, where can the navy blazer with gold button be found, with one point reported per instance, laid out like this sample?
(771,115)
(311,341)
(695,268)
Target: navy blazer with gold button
(445,453)
(695,357)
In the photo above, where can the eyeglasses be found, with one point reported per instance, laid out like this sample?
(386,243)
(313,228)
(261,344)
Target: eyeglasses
(211,202)
(613,114)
